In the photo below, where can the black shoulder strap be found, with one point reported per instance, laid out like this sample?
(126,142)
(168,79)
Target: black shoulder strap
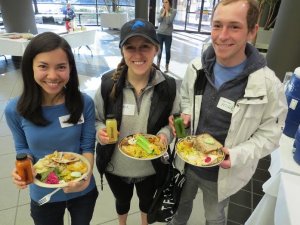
(104,152)
(162,104)
(200,82)
(199,87)
(106,86)
(171,86)
(161,107)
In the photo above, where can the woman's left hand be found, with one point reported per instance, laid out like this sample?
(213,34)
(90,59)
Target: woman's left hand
(226,164)
(77,186)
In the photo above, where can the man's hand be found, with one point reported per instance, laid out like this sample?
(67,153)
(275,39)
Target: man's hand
(186,122)
(186,119)
(226,164)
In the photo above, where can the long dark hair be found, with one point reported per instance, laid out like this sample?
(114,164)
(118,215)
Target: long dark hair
(30,102)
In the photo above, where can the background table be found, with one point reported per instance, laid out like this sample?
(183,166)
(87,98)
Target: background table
(282,159)
(80,38)
(281,202)
(113,20)
(16,47)
(77,39)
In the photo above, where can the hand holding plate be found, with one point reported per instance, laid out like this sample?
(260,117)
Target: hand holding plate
(226,164)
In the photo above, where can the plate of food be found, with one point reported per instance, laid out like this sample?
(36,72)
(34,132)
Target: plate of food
(57,169)
(15,36)
(142,147)
(202,150)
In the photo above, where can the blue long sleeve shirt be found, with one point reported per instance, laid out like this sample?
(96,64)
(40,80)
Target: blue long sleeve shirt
(39,141)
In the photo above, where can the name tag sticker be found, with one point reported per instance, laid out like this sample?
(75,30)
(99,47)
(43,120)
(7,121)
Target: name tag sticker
(128,109)
(63,124)
(293,104)
(226,105)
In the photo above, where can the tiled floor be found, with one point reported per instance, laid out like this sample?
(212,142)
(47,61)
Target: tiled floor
(244,202)
(105,56)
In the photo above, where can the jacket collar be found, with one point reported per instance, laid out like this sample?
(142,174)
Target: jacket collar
(256,86)
(255,60)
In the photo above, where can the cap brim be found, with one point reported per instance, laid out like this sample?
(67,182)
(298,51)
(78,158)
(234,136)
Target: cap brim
(137,34)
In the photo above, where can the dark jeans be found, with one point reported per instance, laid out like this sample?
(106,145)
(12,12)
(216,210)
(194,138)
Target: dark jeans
(123,192)
(81,210)
(167,39)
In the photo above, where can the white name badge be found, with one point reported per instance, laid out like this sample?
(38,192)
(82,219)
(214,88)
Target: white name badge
(128,109)
(293,104)
(226,105)
(63,124)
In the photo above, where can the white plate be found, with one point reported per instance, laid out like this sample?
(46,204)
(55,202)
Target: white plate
(198,158)
(149,157)
(82,158)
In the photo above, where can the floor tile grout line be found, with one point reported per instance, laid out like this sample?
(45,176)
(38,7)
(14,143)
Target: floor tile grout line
(251,191)
(239,205)
(232,221)
(13,207)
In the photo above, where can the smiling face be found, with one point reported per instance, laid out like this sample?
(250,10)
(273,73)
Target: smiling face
(230,33)
(139,53)
(51,72)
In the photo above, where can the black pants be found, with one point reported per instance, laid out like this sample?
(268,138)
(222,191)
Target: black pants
(123,192)
(81,210)
(167,39)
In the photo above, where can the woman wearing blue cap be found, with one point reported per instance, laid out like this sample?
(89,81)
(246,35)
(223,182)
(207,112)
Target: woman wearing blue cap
(141,97)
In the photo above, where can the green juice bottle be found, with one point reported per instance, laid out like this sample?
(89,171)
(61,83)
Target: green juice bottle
(111,128)
(179,126)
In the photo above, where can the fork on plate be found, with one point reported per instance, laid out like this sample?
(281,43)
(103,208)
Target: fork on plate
(47,197)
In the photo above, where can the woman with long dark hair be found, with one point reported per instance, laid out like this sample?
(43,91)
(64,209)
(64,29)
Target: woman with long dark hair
(52,114)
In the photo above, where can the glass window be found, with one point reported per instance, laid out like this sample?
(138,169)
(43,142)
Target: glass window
(192,15)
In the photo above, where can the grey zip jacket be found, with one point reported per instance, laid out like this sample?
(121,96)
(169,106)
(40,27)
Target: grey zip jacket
(256,124)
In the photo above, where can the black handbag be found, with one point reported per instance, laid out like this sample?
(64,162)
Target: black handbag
(166,198)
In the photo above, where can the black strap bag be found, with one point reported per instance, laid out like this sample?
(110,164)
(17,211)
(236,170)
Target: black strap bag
(167,197)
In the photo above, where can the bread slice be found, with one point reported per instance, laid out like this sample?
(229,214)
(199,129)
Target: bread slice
(207,143)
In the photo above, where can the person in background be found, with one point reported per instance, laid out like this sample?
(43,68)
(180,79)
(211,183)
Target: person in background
(52,114)
(142,98)
(165,30)
(231,94)
(69,17)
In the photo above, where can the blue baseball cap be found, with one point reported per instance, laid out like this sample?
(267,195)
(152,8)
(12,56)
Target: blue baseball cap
(138,27)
